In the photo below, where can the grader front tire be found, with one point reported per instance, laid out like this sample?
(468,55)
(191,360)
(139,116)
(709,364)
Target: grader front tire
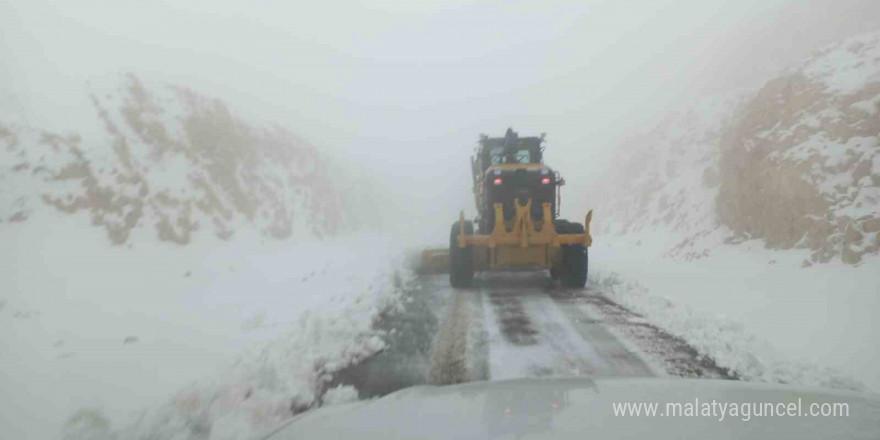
(461,260)
(575,260)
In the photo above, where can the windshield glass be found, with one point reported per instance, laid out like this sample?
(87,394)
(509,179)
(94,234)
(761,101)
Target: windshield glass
(499,156)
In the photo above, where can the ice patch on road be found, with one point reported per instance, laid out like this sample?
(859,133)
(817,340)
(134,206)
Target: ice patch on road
(723,339)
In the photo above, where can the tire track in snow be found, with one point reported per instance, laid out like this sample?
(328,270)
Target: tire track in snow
(449,354)
(512,325)
(532,334)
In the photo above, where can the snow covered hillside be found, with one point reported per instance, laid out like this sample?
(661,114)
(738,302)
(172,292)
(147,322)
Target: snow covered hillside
(172,271)
(168,162)
(800,167)
(667,179)
(795,164)
(760,209)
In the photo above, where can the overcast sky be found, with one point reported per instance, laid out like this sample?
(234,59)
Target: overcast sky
(409,85)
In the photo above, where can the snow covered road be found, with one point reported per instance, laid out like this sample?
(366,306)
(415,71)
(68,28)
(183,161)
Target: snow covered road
(532,331)
(514,325)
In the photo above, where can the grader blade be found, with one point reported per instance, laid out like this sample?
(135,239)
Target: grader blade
(435,261)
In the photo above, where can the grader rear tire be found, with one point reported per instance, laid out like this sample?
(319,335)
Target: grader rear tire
(461,260)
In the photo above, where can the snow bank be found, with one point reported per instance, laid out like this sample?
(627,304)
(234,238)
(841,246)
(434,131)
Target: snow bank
(753,310)
(211,340)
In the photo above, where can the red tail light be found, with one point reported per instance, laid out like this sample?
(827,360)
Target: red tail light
(497,181)
(545,181)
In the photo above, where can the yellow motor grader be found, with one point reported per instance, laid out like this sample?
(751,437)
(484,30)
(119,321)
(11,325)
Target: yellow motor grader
(517,199)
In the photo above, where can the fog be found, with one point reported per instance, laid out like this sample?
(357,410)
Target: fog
(116,324)
(403,89)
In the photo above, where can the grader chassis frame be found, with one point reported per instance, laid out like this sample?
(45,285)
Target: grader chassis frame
(524,243)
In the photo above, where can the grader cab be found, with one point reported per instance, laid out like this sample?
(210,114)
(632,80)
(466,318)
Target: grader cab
(517,199)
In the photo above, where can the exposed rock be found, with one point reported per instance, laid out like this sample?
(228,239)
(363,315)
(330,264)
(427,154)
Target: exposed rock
(798,160)
(871,225)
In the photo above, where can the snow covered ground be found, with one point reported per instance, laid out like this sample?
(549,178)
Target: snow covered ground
(746,223)
(755,311)
(102,341)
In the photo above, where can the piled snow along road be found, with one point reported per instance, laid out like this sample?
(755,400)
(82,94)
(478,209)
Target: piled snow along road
(720,338)
(172,271)
(752,219)
(220,340)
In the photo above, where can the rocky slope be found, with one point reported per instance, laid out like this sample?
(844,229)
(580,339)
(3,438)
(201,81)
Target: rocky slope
(170,162)
(795,164)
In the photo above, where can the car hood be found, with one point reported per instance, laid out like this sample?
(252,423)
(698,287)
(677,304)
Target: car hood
(580,408)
